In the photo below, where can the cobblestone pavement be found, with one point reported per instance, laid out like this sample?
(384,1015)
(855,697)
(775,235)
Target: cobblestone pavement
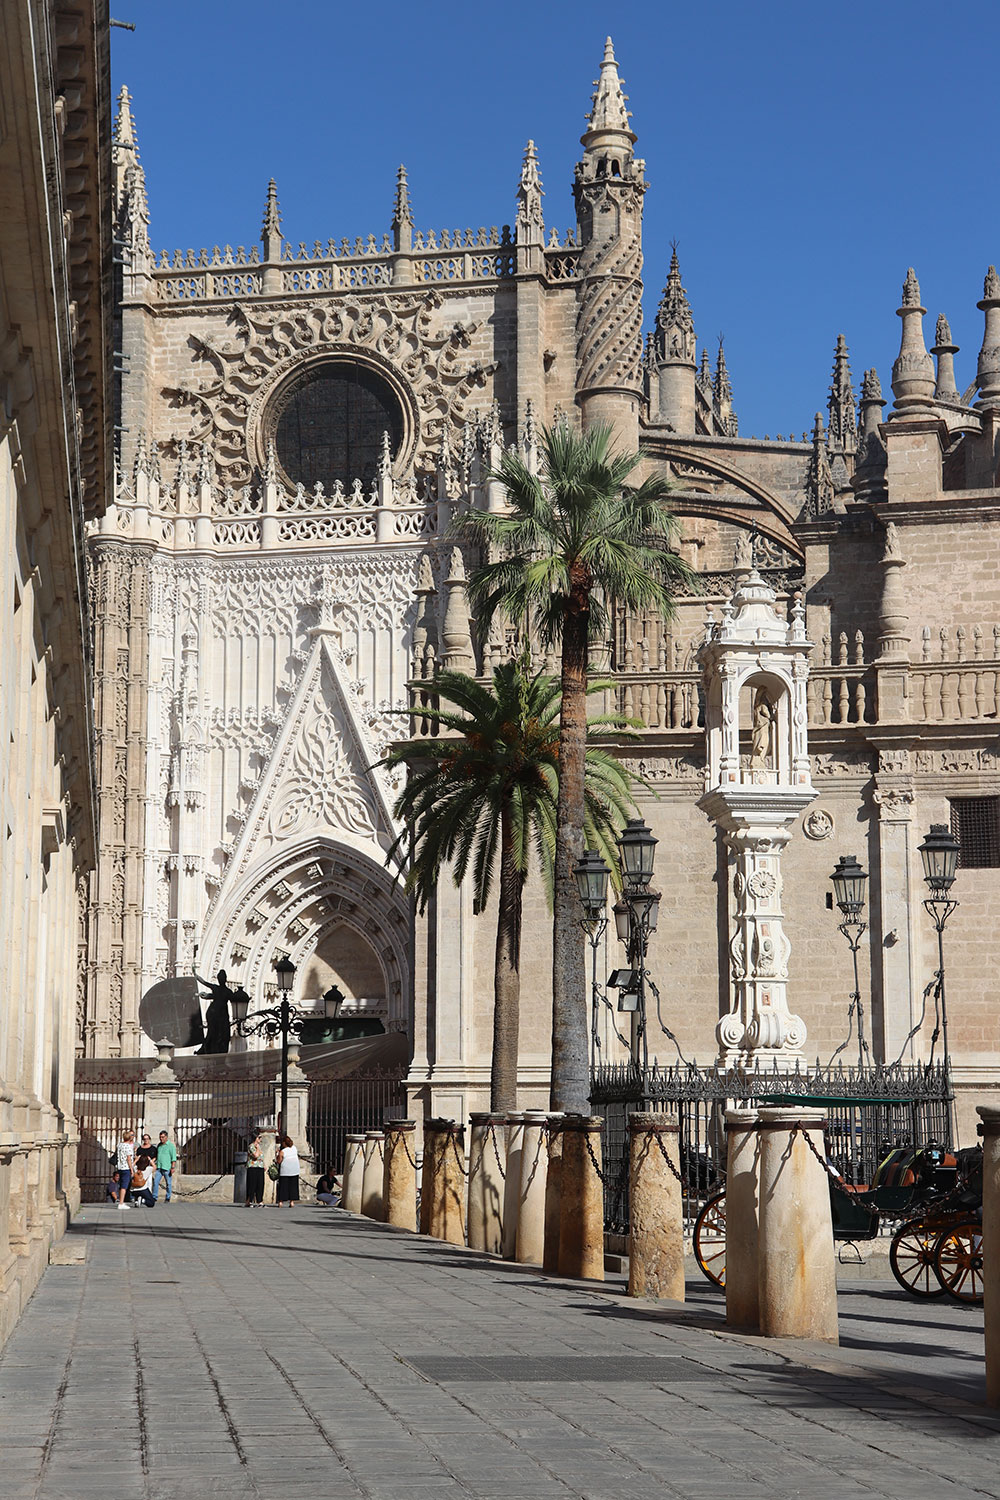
(215,1352)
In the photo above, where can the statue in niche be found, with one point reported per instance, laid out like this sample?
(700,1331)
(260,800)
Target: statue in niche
(762,728)
(218,1024)
(891,550)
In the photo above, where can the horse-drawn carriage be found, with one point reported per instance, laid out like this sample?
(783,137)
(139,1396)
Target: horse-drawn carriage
(934,1196)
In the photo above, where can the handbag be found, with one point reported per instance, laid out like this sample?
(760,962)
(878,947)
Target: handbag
(274,1171)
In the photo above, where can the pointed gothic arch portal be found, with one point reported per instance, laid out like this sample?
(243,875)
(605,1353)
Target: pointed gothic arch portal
(339,917)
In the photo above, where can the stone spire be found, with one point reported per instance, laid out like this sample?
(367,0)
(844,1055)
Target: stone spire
(270,229)
(944,352)
(870,459)
(131,219)
(843,426)
(820,488)
(913,372)
(673,354)
(456,633)
(608,118)
(705,375)
(608,188)
(988,368)
(722,394)
(530,227)
(402,214)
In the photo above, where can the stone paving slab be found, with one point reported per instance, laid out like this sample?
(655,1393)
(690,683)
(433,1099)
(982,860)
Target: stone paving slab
(201,1351)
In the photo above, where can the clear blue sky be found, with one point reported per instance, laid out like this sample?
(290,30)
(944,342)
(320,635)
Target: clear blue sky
(802,154)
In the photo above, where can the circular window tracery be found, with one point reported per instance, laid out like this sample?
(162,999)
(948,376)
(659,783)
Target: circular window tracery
(328,424)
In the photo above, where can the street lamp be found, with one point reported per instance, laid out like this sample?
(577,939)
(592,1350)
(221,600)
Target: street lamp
(279,1020)
(939,854)
(636,848)
(849,884)
(592,876)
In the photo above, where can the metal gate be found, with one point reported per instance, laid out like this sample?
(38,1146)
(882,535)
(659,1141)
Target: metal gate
(105,1108)
(339,1107)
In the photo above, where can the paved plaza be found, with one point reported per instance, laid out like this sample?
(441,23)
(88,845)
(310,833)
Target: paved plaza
(206,1351)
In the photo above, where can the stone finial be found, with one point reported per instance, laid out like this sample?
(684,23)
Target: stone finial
(673,340)
(529,435)
(402,214)
(271,464)
(271,226)
(820,488)
(843,425)
(705,374)
(529,193)
(141,463)
(944,351)
(456,636)
(608,113)
(205,465)
(871,387)
(913,372)
(124,131)
(988,366)
(385,453)
(722,389)
(131,205)
(183,462)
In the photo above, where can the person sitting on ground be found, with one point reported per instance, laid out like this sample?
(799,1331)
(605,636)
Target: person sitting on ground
(288,1173)
(140,1182)
(111,1188)
(326,1189)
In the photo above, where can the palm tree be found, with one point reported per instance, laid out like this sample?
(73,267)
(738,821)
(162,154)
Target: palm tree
(576,536)
(489,785)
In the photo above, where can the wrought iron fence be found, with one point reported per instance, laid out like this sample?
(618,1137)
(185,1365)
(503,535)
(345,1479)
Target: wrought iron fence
(105,1109)
(339,1107)
(216,1117)
(869,1110)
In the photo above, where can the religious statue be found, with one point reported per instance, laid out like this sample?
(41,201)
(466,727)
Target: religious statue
(891,550)
(218,1024)
(743,555)
(761,729)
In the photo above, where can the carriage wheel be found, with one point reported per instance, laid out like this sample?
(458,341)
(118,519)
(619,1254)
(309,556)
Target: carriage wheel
(911,1258)
(958,1262)
(710,1239)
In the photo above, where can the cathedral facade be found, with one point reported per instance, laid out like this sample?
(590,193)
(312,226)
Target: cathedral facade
(300,425)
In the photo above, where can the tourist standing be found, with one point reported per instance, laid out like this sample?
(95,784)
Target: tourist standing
(255,1173)
(288,1172)
(166,1156)
(125,1165)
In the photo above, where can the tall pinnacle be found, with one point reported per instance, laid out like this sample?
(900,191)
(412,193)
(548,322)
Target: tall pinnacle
(131,204)
(529,189)
(124,131)
(402,215)
(272,212)
(674,337)
(608,116)
(843,428)
(913,372)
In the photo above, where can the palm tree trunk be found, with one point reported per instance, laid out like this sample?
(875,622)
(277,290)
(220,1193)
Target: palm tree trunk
(570,1062)
(507,974)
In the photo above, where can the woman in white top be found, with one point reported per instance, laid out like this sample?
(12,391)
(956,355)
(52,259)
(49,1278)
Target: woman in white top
(288,1172)
(125,1164)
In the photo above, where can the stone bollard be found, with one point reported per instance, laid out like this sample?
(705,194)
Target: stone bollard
(432,1148)
(374,1170)
(656,1216)
(581,1199)
(399,1184)
(486,1184)
(742,1189)
(354,1171)
(990,1116)
(445,1214)
(797,1287)
(512,1185)
(553,1187)
(530,1238)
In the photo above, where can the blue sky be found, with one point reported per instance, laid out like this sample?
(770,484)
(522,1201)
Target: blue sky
(803,155)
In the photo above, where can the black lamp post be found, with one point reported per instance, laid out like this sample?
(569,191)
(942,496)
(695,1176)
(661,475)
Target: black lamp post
(849,885)
(637,847)
(280,1020)
(939,854)
(592,876)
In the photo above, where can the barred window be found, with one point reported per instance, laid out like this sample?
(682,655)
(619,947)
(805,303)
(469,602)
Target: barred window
(975,822)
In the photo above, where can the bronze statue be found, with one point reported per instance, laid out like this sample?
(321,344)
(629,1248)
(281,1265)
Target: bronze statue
(218,1023)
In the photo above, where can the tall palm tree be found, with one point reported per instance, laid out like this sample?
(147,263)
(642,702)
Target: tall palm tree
(488,787)
(576,536)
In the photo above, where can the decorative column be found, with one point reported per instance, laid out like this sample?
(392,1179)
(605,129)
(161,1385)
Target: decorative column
(990,1116)
(553,1192)
(797,1286)
(399,1188)
(581,1199)
(530,1240)
(742,1207)
(893,665)
(512,1185)
(374,1173)
(895,940)
(656,1215)
(757,780)
(354,1172)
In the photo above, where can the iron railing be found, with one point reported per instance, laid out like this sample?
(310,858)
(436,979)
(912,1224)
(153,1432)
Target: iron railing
(104,1110)
(216,1117)
(869,1110)
(339,1107)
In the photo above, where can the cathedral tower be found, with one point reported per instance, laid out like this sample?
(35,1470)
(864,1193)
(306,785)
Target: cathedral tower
(608,190)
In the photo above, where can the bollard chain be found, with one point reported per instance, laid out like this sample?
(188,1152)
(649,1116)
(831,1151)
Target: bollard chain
(402,1140)
(824,1161)
(458,1157)
(496,1152)
(663,1152)
(593,1158)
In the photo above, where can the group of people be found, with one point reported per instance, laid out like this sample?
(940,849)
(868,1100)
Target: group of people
(137,1171)
(286,1160)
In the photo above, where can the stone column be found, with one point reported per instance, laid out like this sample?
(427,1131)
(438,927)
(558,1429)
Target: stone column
(371,1187)
(445,1216)
(797,1287)
(432,1150)
(486,1183)
(581,1199)
(742,1166)
(399,1187)
(530,1238)
(990,1116)
(354,1171)
(512,1185)
(553,1192)
(656,1216)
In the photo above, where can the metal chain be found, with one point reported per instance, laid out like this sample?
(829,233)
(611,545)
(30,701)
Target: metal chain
(458,1157)
(663,1152)
(496,1152)
(593,1158)
(824,1161)
(401,1139)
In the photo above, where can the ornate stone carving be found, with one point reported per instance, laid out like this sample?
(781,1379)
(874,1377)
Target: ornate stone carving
(818,824)
(895,803)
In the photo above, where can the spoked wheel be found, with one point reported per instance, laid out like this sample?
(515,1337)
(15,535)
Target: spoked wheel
(911,1257)
(958,1262)
(710,1239)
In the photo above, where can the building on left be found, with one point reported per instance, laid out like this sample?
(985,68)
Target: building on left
(56,267)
